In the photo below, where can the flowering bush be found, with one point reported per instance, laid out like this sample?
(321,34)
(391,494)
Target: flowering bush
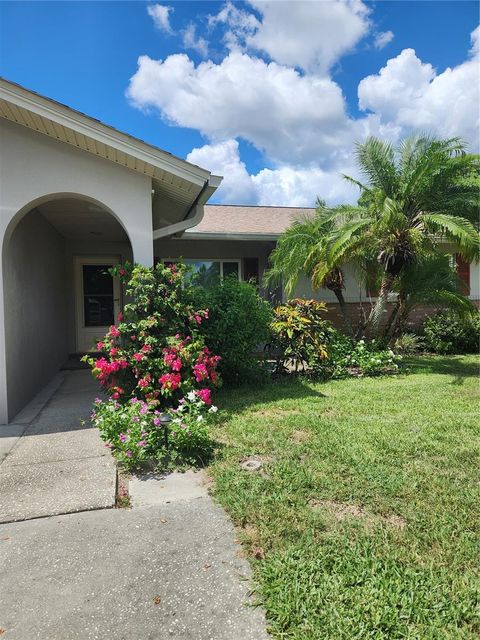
(349,358)
(135,434)
(152,359)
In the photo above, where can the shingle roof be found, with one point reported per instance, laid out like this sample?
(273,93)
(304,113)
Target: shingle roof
(240,219)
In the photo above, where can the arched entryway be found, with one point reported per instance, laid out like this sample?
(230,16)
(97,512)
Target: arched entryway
(58,295)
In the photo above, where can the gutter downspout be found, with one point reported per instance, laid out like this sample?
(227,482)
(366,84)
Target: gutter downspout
(209,187)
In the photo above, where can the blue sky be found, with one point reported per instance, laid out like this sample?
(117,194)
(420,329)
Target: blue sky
(271,95)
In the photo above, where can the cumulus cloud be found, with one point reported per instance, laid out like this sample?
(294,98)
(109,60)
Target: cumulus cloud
(286,185)
(288,116)
(308,35)
(411,94)
(290,109)
(192,41)
(161,16)
(382,39)
(224,159)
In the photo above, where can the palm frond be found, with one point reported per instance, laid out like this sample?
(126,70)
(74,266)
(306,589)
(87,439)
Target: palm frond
(457,229)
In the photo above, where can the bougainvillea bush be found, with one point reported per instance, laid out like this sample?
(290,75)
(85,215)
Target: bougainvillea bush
(150,362)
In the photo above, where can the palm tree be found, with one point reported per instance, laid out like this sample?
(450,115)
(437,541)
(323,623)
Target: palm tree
(300,250)
(430,281)
(411,197)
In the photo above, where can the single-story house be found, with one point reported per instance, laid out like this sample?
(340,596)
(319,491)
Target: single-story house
(76,196)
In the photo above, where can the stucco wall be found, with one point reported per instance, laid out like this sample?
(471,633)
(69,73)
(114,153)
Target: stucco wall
(35,168)
(34,289)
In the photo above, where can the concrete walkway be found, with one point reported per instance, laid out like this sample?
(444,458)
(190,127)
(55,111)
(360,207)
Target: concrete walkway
(167,568)
(58,465)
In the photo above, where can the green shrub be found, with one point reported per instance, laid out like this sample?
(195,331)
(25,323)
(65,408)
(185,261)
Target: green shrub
(238,324)
(363,358)
(409,344)
(447,333)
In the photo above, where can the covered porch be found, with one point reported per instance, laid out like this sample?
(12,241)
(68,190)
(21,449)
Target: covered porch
(77,197)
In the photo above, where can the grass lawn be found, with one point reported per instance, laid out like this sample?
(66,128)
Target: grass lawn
(364,520)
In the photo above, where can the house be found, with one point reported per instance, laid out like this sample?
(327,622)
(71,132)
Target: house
(76,196)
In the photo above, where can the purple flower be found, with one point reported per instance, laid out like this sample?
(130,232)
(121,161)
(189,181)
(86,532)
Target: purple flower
(142,443)
(156,422)
(128,453)
(135,419)
(122,437)
(134,400)
(144,409)
(97,401)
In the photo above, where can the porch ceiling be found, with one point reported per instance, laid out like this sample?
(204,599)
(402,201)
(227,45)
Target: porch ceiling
(173,180)
(77,219)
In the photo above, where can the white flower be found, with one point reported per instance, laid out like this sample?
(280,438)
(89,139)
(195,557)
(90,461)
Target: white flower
(199,418)
(191,395)
(213,409)
(177,421)
(181,407)
(361,342)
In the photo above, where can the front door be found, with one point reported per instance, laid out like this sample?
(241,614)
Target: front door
(97,299)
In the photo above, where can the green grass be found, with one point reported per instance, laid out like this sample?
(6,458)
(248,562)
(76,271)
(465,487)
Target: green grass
(405,447)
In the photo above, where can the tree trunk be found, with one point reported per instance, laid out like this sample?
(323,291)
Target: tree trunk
(392,320)
(344,309)
(376,313)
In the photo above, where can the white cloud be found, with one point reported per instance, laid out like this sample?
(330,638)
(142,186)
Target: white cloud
(382,39)
(224,159)
(290,117)
(161,16)
(191,41)
(410,94)
(241,24)
(286,185)
(309,35)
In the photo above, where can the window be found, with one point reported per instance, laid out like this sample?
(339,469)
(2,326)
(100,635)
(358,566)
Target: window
(208,273)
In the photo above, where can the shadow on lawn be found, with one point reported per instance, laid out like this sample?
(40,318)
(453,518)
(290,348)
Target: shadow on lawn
(457,366)
(235,399)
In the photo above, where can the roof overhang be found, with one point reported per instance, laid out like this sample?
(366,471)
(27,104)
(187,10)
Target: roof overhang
(174,180)
(251,237)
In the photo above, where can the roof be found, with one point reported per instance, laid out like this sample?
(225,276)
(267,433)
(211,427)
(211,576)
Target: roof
(174,179)
(246,222)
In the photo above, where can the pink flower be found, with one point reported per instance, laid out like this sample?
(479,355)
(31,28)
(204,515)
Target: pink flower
(128,453)
(205,395)
(170,381)
(138,357)
(157,422)
(120,316)
(114,331)
(100,346)
(142,443)
(146,348)
(200,372)
(122,437)
(142,383)
(113,352)
(133,338)
(198,319)
(122,272)
(205,314)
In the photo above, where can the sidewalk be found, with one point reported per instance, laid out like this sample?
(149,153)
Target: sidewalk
(168,568)
(58,465)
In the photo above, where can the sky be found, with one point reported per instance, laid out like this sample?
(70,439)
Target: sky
(271,95)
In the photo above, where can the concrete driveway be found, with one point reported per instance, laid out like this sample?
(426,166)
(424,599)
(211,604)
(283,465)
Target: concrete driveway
(167,568)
